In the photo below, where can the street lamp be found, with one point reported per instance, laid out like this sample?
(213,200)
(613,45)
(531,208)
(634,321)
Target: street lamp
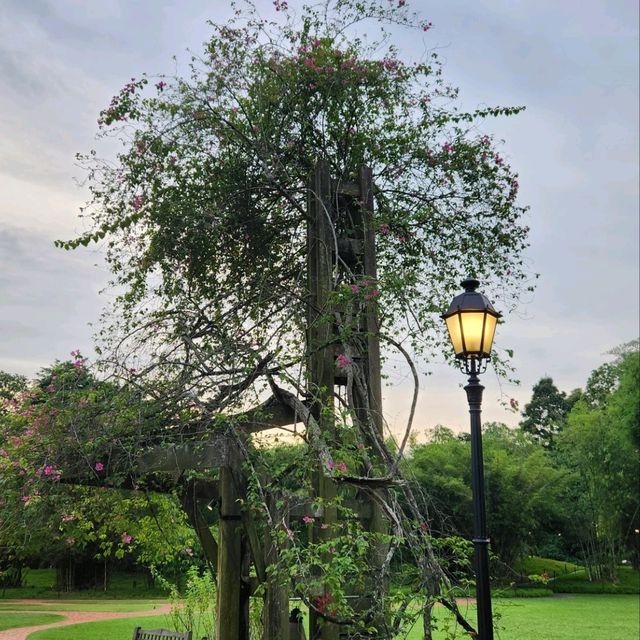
(471,322)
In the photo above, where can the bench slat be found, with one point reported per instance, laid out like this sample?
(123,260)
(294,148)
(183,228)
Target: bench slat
(159,634)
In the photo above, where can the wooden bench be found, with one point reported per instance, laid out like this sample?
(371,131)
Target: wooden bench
(159,634)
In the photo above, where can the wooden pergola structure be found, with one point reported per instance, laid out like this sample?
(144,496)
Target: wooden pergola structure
(341,248)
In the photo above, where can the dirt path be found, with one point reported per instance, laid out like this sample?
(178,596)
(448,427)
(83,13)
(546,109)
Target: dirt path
(74,617)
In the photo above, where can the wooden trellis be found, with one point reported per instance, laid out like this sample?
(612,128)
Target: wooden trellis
(341,248)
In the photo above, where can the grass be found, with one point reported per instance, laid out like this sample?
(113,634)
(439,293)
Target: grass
(82,605)
(567,577)
(597,617)
(538,566)
(39,583)
(628,583)
(105,630)
(13,620)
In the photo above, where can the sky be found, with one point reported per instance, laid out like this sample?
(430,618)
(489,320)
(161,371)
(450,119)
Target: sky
(573,64)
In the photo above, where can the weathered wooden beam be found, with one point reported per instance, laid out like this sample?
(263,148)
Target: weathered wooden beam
(229,559)
(217,451)
(321,366)
(269,415)
(361,509)
(199,524)
(275,615)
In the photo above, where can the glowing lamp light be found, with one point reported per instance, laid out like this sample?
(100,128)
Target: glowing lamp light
(471,322)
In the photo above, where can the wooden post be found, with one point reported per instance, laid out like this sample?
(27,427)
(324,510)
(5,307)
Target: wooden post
(371,361)
(229,559)
(321,368)
(275,616)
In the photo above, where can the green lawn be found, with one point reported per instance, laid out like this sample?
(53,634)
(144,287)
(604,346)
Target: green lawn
(39,583)
(566,577)
(596,617)
(537,565)
(13,620)
(84,605)
(107,630)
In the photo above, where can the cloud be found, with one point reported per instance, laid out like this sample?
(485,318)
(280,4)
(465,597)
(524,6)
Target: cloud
(48,298)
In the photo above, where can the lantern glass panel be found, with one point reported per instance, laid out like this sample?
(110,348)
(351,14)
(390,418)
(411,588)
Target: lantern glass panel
(453,325)
(489,333)
(472,324)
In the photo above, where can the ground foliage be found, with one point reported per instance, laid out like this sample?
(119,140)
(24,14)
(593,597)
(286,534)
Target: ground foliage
(203,219)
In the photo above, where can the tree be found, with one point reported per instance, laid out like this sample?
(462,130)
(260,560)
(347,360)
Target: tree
(204,222)
(600,446)
(68,526)
(523,489)
(546,413)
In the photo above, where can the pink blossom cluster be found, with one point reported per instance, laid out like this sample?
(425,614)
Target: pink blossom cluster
(343,361)
(341,466)
(137,202)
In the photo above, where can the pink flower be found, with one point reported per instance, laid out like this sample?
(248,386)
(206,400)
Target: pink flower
(343,361)
(126,538)
(78,364)
(49,470)
(342,466)
(137,202)
(374,293)
(426,26)
(99,466)
(25,499)
(355,288)
(384,229)
(308,519)
(161,85)
(447,147)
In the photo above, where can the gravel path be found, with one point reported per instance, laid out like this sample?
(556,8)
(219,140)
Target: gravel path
(74,617)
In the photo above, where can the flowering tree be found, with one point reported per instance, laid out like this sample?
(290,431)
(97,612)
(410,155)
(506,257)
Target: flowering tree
(203,217)
(63,422)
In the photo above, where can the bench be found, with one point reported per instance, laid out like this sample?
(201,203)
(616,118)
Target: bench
(160,634)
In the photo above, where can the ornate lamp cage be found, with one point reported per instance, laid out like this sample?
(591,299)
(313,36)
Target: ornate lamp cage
(471,322)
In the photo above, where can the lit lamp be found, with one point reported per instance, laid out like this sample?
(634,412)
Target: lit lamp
(471,322)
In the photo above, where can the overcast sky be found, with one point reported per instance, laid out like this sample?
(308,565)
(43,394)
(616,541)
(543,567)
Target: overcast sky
(573,64)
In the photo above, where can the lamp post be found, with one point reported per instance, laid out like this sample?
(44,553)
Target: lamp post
(471,322)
